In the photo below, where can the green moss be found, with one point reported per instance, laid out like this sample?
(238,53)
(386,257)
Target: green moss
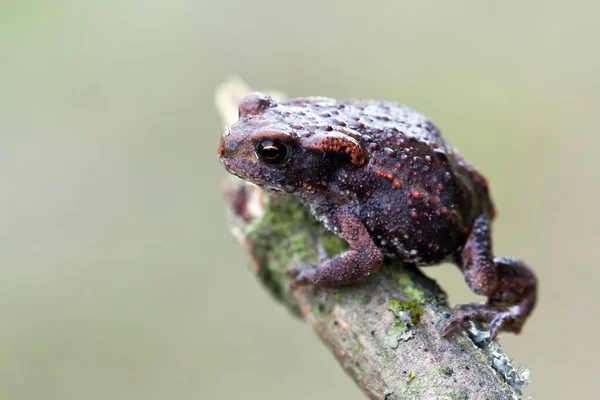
(355,348)
(382,353)
(481,357)
(412,307)
(409,289)
(410,377)
(299,244)
(459,394)
(315,310)
(464,343)
(319,310)
(333,244)
(406,284)
(282,237)
(393,304)
(339,295)
(364,299)
(413,387)
(446,371)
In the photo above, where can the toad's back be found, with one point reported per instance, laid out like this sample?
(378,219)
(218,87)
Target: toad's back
(415,194)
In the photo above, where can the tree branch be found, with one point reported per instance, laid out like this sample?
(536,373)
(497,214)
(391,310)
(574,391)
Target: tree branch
(386,331)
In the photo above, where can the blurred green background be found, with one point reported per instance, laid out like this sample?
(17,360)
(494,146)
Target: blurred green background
(118,277)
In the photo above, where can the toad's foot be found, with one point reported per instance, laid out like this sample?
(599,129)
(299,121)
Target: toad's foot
(497,318)
(508,283)
(361,259)
(303,274)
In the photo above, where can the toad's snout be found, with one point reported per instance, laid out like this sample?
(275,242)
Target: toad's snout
(228,148)
(221,148)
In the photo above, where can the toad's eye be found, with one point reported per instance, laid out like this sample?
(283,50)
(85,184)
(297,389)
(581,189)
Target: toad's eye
(273,151)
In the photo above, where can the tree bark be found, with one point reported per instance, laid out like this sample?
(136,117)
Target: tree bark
(385,332)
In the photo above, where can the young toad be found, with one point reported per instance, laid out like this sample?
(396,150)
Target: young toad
(381,176)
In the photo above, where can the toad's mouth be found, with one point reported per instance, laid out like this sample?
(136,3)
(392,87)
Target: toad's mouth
(238,168)
(272,189)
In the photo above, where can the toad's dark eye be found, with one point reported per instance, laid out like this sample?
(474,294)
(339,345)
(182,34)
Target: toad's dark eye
(273,151)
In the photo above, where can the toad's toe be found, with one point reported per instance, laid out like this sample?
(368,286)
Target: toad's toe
(497,318)
(303,274)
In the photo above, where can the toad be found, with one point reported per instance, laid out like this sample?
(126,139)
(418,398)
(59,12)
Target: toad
(381,176)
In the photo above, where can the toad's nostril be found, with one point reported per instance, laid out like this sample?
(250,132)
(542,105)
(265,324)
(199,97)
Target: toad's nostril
(227,147)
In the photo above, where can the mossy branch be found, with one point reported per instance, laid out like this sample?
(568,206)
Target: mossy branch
(386,331)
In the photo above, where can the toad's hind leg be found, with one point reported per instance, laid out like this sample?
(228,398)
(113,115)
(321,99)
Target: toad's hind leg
(508,283)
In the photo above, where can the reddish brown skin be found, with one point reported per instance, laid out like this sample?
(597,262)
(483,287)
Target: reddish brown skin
(381,176)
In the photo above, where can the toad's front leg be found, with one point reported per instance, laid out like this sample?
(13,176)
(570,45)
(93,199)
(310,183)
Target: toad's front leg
(508,283)
(362,258)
